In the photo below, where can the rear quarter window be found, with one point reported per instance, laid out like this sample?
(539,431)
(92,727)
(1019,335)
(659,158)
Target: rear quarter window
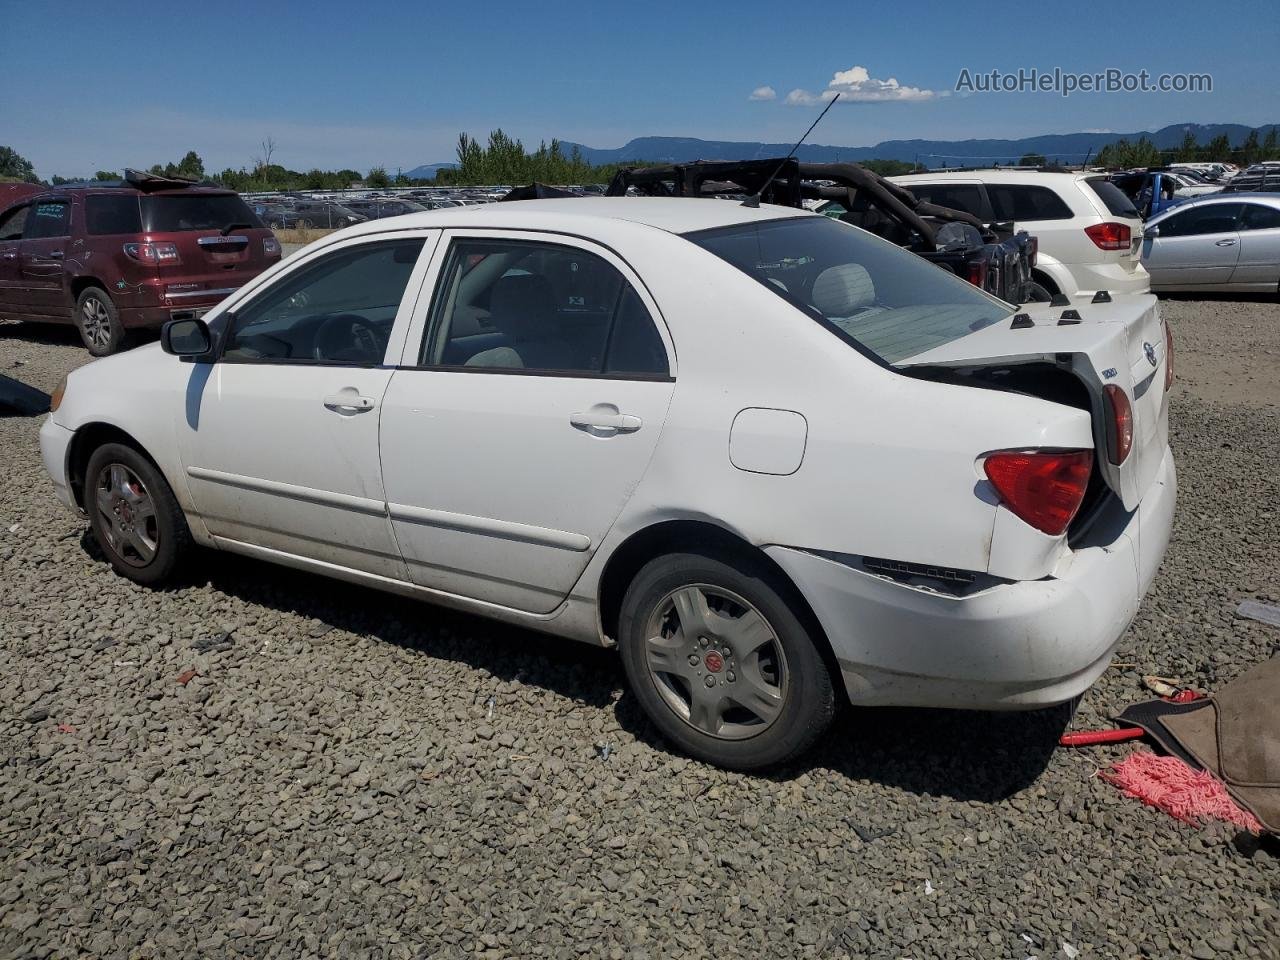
(1113,198)
(105,215)
(1010,201)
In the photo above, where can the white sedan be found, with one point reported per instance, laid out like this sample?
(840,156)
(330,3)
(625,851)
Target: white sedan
(777,461)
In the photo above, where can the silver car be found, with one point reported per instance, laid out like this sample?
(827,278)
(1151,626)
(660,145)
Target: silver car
(1227,242)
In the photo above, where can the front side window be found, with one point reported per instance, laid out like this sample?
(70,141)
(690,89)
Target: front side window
(524,306)
(11,223)
(1210,218)
(966,198)
(1258,217)
(886,302)
(1020,202)
(48,218)
(337,310)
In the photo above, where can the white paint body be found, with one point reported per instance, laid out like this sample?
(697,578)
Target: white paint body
(477,492)
(1072,261)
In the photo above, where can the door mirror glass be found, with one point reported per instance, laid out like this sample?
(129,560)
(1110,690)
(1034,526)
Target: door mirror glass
(186,338)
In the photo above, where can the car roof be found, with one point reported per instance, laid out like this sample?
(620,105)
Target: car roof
(1208,199)
(672,214)
(998,175)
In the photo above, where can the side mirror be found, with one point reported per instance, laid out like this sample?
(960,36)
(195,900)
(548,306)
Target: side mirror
(186,338)
(1153,232)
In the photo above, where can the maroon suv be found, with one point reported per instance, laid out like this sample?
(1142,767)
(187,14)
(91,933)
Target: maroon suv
(109,256)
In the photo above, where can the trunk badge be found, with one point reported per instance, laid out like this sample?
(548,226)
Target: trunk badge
(1150,351)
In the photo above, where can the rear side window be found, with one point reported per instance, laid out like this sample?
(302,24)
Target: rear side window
(1258,217)
(966,198)
(171,213)
(47,219)
(520,305)
(1113,198)
(105,214)
(1011,201)
(1210,218)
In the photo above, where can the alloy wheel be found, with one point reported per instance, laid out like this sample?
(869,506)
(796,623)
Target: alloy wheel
(128,514)
(716,662)
(96,321)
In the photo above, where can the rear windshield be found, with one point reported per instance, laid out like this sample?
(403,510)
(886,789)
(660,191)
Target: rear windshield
(1114,198)
(888,303)
(196,211)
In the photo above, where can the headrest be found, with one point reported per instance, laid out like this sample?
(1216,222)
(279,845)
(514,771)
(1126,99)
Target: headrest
(521,304)
(841,290)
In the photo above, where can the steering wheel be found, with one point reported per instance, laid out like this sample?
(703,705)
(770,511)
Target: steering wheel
(349,337)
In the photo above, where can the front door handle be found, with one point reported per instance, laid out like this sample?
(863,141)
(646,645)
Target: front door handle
(605,419)
(348,402)
(51,255)
(1225,243)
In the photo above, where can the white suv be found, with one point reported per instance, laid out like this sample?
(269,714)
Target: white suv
(1090,233)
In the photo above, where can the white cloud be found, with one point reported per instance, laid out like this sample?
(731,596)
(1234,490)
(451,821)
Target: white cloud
(1097,130)
(763,93)
(856,85)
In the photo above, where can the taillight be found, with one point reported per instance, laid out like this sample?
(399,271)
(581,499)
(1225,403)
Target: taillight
(1168,357)
(978,274)
(1044,489)
(152,252)
(1120,442)
(1110,236)
(271,246)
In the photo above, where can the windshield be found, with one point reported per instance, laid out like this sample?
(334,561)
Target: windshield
(889,303)
(195,211)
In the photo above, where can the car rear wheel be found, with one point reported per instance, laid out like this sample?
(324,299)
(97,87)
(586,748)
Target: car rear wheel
(305,224)
(721,662)
(99,322)
(1038,294)
(134,515)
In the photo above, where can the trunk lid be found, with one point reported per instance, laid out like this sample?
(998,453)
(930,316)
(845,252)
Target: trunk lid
(209,260)
(1119,343)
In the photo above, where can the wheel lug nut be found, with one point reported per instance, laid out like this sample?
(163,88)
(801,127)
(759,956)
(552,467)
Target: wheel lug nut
(703,641)
(730,677)
(693,659)
(710,681)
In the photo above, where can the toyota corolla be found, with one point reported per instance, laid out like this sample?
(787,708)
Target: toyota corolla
(776,461)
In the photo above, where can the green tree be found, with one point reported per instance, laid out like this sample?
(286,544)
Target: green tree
(1032,160)
(1270,150)
(191,166)
(14,166)
(1251,149)
(1189,149)
(378,178)
(1219,148)
(106,175)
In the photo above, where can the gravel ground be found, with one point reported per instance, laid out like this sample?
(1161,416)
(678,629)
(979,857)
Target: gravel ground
(354,775)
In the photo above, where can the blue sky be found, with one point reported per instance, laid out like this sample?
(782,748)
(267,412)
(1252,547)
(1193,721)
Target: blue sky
(90,86)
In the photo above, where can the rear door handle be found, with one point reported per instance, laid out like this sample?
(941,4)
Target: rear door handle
(1225,243)
(601,422)
(51,255)
(344,402)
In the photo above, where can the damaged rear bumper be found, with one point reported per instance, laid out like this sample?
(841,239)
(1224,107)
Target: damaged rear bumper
(1019,645)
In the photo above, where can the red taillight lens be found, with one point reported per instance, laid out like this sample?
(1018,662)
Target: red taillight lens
(152,252)
(1044,489)
(1121,440)
(1168,357)
(1110,236)
(978,274)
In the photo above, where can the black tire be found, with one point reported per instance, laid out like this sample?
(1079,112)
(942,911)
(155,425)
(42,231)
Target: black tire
(98,321)
(305,224)
(795,717)
(165,526)
(1038,294)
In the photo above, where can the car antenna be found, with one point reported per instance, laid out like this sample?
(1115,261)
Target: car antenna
(754,199)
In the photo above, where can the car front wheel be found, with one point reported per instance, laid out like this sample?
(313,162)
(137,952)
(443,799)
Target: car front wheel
(721,662)
(134,515)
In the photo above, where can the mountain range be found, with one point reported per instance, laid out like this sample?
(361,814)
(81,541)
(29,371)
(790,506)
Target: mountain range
(1064,147)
